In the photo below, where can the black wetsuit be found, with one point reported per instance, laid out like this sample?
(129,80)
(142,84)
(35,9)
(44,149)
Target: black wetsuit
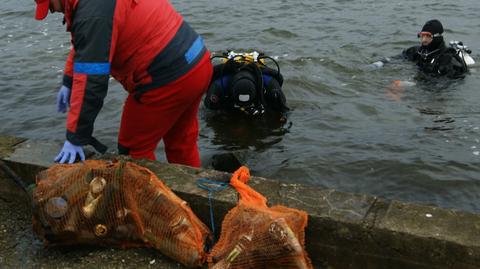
(268,93)
(437,60)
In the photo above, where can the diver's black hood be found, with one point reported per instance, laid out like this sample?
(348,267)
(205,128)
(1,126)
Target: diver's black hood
(436,28)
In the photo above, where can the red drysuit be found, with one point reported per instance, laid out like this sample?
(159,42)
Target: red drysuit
(157,57)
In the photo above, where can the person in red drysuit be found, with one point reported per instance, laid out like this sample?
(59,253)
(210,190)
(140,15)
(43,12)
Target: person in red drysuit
(157,57)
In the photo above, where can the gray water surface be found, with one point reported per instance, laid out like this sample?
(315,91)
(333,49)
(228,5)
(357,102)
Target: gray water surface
(346,131)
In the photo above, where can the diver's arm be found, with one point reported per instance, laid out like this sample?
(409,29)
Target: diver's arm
(275,98)
(380,63)
(411,53)
(215,98)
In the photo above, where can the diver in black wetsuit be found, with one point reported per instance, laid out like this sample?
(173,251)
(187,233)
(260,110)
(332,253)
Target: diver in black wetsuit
(432,56)
(244,83)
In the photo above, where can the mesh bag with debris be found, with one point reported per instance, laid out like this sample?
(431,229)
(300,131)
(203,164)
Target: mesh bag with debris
(115,203)
(256,236)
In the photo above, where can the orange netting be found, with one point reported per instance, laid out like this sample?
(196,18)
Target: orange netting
(115,203)
(256,236)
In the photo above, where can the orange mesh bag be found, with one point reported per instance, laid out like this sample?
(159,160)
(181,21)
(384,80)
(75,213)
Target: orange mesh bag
(115,203)
(256,236)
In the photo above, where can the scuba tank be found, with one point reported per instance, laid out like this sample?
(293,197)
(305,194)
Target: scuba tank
(244,91)
(463,52)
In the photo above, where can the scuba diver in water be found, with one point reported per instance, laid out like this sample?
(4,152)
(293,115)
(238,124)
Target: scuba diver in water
(433,57)
(243,82)
(251,93)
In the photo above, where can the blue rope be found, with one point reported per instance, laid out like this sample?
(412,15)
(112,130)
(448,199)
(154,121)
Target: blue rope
(212,186)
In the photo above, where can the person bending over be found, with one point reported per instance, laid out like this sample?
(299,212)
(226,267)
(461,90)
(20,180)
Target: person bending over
(157,57)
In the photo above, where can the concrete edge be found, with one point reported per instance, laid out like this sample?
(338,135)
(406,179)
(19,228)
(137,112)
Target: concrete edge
(345,230)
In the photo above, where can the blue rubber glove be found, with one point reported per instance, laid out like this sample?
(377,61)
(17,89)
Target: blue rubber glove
(70,151)
(63,99)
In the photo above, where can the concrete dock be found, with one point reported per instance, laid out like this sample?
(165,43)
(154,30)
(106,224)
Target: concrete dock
(344,231)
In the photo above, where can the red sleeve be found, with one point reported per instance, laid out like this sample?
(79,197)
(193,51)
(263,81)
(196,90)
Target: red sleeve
(68,70)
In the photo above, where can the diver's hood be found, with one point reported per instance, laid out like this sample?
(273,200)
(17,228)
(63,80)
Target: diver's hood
(243,88)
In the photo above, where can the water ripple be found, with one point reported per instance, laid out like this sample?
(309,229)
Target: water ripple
(345,132)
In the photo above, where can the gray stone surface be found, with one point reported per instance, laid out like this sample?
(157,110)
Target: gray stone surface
(8,143)
(30,152)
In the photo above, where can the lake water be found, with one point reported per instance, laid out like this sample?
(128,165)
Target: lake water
(348,129)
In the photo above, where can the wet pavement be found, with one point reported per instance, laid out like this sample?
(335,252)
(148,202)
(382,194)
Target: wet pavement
(20,249)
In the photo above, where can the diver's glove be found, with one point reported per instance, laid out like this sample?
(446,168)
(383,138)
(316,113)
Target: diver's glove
(70,151)
(381,63)
(63,99)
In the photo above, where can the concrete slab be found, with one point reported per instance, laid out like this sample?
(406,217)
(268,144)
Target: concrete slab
(344,231)
(8,143)
(39,153)
(448,237)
